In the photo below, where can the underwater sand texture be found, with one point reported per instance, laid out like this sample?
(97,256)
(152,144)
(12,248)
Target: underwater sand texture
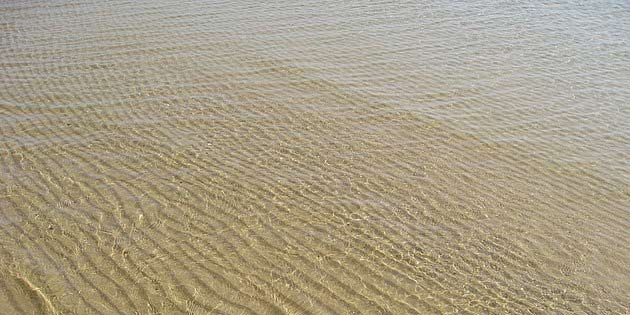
(314,157)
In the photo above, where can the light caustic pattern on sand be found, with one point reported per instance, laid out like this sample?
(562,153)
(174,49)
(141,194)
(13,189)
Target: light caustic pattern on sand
(163,157)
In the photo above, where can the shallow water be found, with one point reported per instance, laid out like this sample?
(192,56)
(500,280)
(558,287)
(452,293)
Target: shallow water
(314,157)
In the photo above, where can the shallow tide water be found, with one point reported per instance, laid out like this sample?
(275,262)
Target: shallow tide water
(314,157)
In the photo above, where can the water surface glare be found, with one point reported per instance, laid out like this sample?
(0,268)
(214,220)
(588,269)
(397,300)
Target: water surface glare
(314,157)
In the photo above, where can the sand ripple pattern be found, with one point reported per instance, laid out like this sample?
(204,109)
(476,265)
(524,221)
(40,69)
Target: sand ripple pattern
(314,157)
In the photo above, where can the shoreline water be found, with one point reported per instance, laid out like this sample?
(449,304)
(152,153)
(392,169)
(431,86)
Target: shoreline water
(320,158)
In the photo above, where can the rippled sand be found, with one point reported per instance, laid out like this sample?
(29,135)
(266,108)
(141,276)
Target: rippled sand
(320,157)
